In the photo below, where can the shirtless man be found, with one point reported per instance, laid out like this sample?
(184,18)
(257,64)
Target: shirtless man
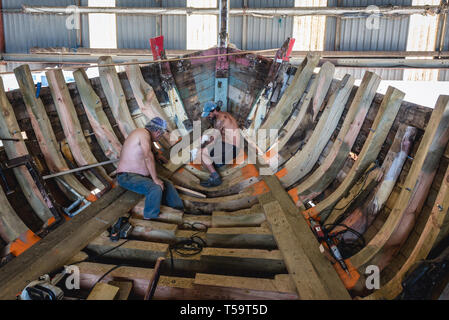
(137,171)
(222,147)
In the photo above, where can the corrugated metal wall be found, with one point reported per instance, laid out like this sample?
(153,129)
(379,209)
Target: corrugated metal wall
(355,36)
(261,33)
(134,31)
(24,31)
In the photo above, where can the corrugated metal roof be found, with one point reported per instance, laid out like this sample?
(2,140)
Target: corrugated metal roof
(24,31)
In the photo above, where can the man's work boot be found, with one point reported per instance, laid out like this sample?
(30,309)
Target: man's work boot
(213,181)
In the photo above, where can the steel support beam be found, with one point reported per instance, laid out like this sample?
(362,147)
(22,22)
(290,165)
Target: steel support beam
(268,12)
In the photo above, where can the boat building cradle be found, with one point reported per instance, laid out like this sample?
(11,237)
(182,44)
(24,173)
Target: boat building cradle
(372,169)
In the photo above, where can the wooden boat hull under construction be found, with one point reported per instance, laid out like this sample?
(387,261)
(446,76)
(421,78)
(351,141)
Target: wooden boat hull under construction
(346,157)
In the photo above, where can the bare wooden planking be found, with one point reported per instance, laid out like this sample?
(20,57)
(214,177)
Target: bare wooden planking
(304,115)
(308,282)
(379,131)
(104,133)
(254,288)
(303,161)
(239,237)
(9,128)
(427,239)
(246,220)
(113,91)
(320,179)
(400,221)
(131,251)
(64,242)
(44,132)
(145,96)
(72,128)
(363,216)
(299,238)
(103,291)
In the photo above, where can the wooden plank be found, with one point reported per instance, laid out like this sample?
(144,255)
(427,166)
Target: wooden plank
(427,239)
(9,128)
(320,179)
(145,96)
(303,235)
(309,283)
(239,201)
(11,226)
(73,132)
(371,148)
(401,220)
(256,287)
(363,216)
(304,115)
(131,251)
(44,132)
(292,94)
(90,273)
(125,288)
(98,120)
(303,161)
(357,194)
(113,91)
(103,291)
(249,237)
(247,220)
(61,244)
(255,260)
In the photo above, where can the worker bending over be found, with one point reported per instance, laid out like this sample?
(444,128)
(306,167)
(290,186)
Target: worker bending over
(222,146)
(137,171)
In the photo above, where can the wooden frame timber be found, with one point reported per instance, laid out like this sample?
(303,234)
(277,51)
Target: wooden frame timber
(328,170)
(44,132)
(72,128)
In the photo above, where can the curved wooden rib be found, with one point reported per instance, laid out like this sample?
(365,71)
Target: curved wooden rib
(44,132)
(286,104)
(304,116)
(303,161)
(104,133)
(363,216)
(9,128)
(379,131)
(113,91)
(320,179)
(72,128)
(426,241)
(395,230)
(11,226)
(145,96)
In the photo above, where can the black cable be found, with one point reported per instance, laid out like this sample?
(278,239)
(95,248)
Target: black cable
(363,180)
(188,247)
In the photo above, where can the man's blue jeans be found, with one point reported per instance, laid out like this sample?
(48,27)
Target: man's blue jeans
(152,192)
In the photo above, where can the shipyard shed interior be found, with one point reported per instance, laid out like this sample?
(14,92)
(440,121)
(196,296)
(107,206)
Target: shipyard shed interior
(340,190)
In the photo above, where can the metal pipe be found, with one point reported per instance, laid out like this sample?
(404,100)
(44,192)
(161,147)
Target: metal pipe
(79,169)
(267,12)
(2,30)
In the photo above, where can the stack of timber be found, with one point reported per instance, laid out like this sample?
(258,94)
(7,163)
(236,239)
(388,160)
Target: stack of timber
(346,157)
